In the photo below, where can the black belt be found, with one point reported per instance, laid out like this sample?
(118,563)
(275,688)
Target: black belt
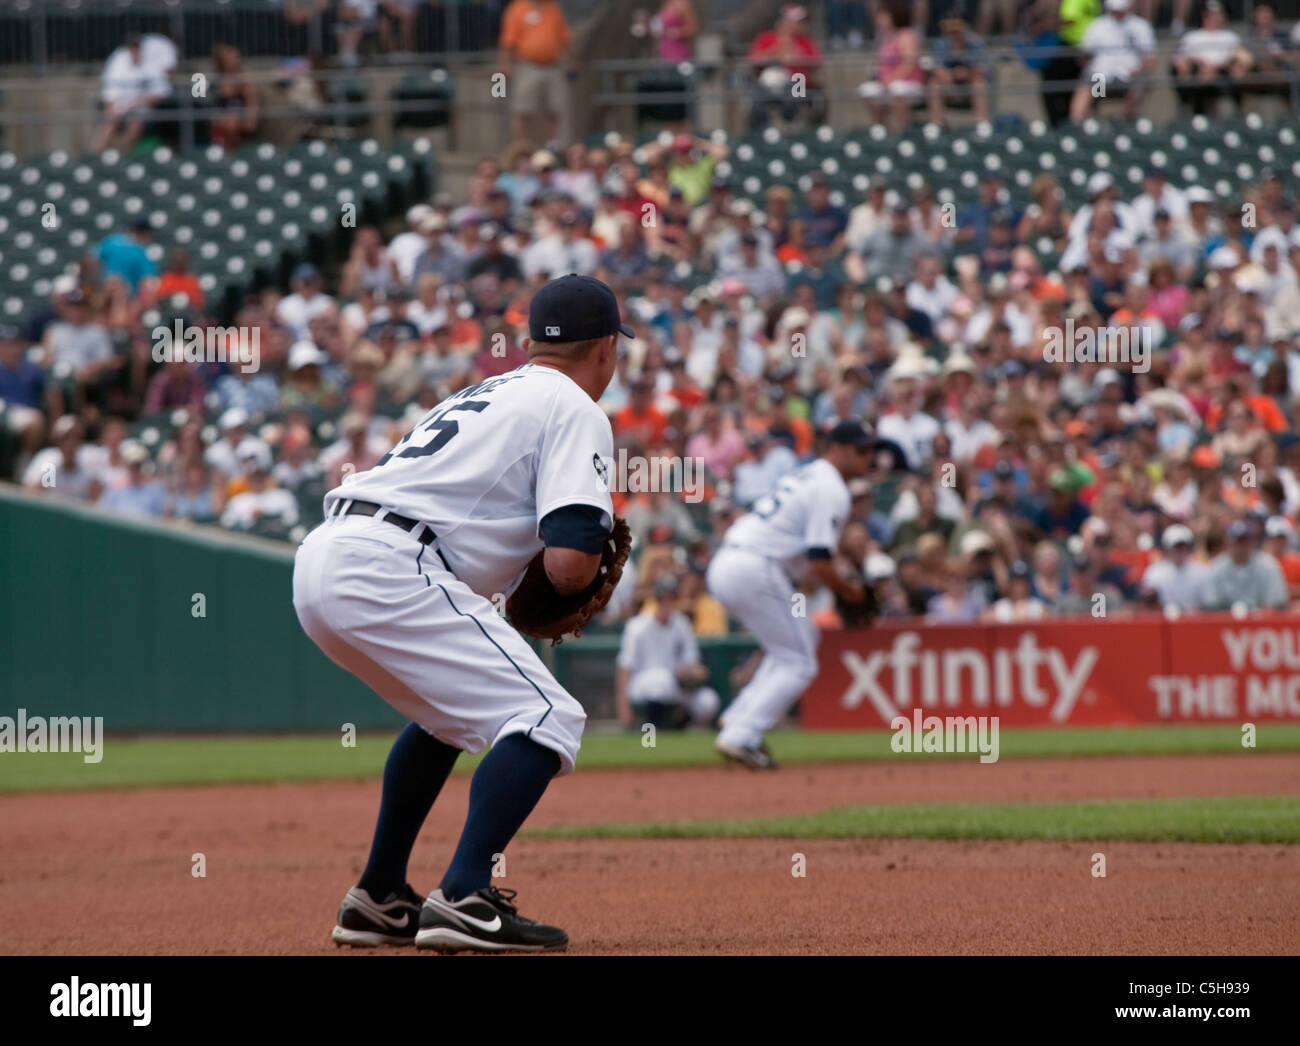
(369,508)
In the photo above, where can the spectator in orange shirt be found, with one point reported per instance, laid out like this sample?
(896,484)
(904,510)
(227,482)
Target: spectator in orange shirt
(177,279)
(640,421)
(536,45)
(795,247)
(683,388)
(1261,408)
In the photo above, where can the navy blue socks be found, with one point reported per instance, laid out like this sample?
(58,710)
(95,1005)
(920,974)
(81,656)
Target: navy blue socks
(506,786)
(416,770)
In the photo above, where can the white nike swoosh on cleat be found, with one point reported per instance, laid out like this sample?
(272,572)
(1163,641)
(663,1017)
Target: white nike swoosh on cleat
(468,920)
(375,912)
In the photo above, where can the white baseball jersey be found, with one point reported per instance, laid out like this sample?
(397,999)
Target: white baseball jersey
(807,509)
(481,470)
(484,467)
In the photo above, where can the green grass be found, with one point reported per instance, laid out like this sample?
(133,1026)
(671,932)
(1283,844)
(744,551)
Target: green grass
(171,761)
(1223,820)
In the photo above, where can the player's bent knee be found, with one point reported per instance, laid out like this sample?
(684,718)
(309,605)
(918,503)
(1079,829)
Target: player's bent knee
(560,729)
(805,669)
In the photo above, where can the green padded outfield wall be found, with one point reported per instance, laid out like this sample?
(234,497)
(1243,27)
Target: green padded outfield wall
(96,619)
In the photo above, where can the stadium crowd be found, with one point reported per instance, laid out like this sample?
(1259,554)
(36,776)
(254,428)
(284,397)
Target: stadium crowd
(1010,484)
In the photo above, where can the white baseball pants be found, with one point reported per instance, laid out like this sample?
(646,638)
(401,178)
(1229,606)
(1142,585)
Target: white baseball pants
(383,606)
(758,594)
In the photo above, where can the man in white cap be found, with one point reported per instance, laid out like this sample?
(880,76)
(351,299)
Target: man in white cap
(64,469)
(407,246)
(1178,579)
(261,499)
(1202,223)
(1101,194)
(221,454)
(1122,48)
(142,494)
(224,455)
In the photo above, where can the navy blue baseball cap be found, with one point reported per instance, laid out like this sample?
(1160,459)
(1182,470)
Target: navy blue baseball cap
(575,308)
(852,433)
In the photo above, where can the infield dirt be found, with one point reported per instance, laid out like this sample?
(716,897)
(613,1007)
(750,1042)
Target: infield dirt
(109,872)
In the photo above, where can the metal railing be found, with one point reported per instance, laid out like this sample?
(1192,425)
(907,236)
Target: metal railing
(39,34)
(724,85)
(619,92)
(351,102)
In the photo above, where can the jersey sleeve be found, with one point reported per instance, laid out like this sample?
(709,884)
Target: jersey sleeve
(827,514)
(575,458)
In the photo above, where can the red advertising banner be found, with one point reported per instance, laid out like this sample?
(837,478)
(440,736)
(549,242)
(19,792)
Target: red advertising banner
(1116,672)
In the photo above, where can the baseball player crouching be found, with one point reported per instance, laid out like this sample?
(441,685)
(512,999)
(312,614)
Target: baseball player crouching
(659,675)
(790,535)
(500,487)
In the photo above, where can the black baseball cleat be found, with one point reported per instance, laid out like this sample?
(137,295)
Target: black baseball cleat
(759,758)
(485,921)
(367,923)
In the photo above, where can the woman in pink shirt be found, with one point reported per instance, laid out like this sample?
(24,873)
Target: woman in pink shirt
(899,86)
(1167,299)
(718,446)
(676,25)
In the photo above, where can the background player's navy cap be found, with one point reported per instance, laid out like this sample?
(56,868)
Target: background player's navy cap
(575,308)
(852,433)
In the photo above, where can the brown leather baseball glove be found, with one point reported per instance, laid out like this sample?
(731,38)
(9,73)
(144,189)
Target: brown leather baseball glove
(536,609)
(692,676)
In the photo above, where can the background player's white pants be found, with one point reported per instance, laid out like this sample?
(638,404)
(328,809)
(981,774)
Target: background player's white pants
(383,606)
(757,593)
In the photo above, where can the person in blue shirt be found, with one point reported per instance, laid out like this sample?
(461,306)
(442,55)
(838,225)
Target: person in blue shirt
(825,223)
(125,255)
(22,390)
(1060,514)
(22,383)
(973,221)
(141,494)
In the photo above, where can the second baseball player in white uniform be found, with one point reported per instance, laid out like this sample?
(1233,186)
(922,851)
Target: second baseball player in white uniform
(789,535)
(401,586)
